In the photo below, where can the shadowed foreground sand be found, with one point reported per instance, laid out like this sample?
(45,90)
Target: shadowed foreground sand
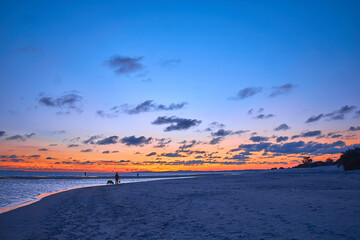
(322,203)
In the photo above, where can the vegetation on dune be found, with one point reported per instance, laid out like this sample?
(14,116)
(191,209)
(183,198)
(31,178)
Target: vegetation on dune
(350,159)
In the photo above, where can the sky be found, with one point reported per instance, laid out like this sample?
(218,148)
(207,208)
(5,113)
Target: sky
(104,86)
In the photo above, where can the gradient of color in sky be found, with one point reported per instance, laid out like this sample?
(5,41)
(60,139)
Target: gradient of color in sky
(177,85)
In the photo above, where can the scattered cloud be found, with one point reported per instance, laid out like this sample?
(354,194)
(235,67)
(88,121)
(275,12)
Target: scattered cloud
(162,142)
(259,139)
(66,103)
(91,140)
(188,144)
(215,140)
(86,150)
(311,133)
(136,141)
(20,137)
(314,118)
(108,140)
(300,147)
(125,65)
(221,133)
(29,49)
(176,123)
(151,154)
(281,139)
(2,133)
(247,92)
(259,113)
(280,90)
(172,155)
(354,128)
(169,63)
(58,132)
(264,116)
(72,145)
(282,127)
(147,106)
(42,149)
(150,106)
(335,115)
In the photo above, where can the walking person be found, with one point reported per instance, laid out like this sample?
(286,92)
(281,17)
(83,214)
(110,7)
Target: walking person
(116,178)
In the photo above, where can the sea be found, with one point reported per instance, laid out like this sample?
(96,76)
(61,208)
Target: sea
(18,188)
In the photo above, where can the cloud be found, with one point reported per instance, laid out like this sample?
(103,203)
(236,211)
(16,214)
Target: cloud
(215,140)
(42,149)
(150,106)
(147,106)
(264,116)
(311,133)
(162,142)
(259,139)
(282,127)
(91,139)
(310,148)
(58,132)
(284,89)
(2,133)
(34,156)
(86,150)
(12,158)
(29,49)
(260,114)
(125,65)
(221,133)
(247,92)
(314,118)
(281,139)
(172,155)
(108,140)
(72,145)
(136,141)
(214,125)
(20,137)
(151,154)
(50,158)
(188,144)
(335,115)
(354,128)
(68,102)
(176,123)
(357,113)
(170,63)
(106,152)
(240,157)
(340,114)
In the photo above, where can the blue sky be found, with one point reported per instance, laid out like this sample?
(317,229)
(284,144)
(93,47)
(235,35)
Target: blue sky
(199,52)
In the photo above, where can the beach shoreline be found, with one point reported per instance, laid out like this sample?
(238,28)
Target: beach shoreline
(280,204)
(41,196)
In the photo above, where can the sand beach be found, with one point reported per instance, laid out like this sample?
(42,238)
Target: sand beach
(318,203)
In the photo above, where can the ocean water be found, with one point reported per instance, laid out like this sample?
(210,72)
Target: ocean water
(18,188)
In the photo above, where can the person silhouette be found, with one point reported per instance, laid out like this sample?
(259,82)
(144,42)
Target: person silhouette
(116,178)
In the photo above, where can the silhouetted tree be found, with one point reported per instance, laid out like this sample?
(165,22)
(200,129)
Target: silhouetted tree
(350,159)
(307,160)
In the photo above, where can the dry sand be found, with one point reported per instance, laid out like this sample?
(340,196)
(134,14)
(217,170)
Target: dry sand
(318,203)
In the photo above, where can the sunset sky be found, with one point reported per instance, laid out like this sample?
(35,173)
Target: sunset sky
(177,85)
